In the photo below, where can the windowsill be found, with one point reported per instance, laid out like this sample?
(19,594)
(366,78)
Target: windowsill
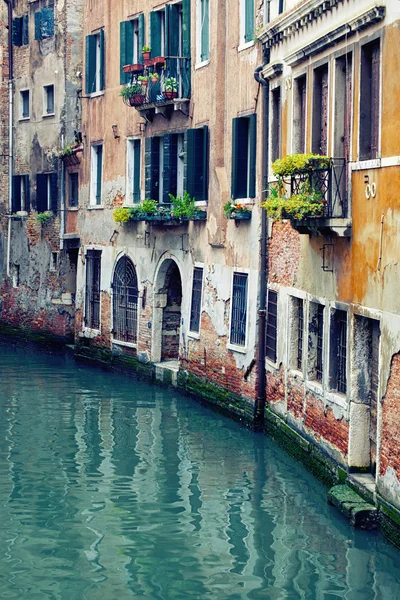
(234,348)
(361,165)
(90,333)
(21,213)
(96,94)
(48,115)
(194,335)
(73,208)
(296,374)
(96,207)
(21,119)
(122,343)
(245,46)
(315,386)
(202,64)
(250,201)
(337,398)
(201,203)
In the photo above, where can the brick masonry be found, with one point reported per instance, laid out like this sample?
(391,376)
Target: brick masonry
(390,447)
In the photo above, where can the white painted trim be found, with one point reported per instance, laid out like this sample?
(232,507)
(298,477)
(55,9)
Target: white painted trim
(245,46)
(201,65)
(229,345)
(121,343)
(190,333)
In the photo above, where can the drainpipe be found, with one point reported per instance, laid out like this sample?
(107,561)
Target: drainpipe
(259,407)
(63,207)
(10,130)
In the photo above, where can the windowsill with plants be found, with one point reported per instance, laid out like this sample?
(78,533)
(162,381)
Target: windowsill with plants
(181,209)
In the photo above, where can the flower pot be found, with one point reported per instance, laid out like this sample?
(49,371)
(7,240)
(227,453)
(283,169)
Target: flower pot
(137,68)
(240,216)
(159,60)
(145,83)
(154,79)
(137,99)
(169,95)
(146,55)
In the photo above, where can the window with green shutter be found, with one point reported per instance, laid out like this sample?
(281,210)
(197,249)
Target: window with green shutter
(44,23)
(20,193)
(46,192)
(197,162)
(94,68)
(204,30)
(134,166)
(96,174)
(244,157)
(131,44)
(248,21)
(152,167)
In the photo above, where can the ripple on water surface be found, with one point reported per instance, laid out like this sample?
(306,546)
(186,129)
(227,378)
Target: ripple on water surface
(110,488)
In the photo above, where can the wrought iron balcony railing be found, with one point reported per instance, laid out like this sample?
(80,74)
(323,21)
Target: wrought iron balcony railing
(330,182)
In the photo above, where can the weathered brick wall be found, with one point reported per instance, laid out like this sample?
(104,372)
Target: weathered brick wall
(323,424)
(283,253)
(390,446)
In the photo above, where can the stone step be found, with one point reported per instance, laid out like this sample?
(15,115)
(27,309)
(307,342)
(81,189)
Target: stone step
(361,514)
(167,371)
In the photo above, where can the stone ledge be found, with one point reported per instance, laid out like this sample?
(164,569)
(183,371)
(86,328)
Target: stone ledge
(360,513)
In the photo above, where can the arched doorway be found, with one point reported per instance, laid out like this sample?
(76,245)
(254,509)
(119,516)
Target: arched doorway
(167,312)
(125,301)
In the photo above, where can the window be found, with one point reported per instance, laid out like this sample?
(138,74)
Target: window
(203,30)
(20,193)
(92,295)
(44,23)
(73,190)
(24,104)
(131,44)
(315,341)
(20,31)
(297,333)
(96,168)
(246,21)
(272,325)
(320,111)
(244,157)
(133,179)
(195,309)
(48,99)
(369,100)
(46,192)
(95,62)
(167,158)
(280,6)
(125,301)
(338,351)
(239,310)
(158,32)
(343,106)
(300,114)
(276,124)
(53,261)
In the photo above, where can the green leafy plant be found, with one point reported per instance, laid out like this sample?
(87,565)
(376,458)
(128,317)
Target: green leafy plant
(149,206)
(44,217)
(154,77)
(288,165)
(143,78)
(307,203)
(122,214)
(131,90)
(232,208)
(67,150)
(170,84)
(146,49)
(183,206)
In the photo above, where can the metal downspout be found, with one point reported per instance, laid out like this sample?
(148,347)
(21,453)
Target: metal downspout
(10,130)
(259,408)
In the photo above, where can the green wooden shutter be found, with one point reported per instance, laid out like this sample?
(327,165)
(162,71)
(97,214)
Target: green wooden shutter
(170,166)
(41,192)
(186,50)
(38,25)
(152,167)
(155,33)
(126,48)
(25,30)
(136,171)
(240,145)
(102,57)
(27,193)
(197,163)
(252,157)
(205,30)
(141,38)
(54,192)
(249,21)
(47,22)
(99,173)
(90,64)
(16,194)
(17,31)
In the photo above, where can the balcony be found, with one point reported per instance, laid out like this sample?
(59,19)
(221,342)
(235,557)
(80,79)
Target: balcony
(311,191)
(331,183)
(160,86)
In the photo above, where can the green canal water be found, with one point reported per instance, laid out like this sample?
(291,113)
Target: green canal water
(114,489)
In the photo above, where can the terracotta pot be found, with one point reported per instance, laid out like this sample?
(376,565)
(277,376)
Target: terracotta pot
(146,55)
(137,99)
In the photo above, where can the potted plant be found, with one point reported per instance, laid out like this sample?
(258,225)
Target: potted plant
(154,77)
(237,211)
(170,87)
(133,94)
(144,80)
(44,217)
(146,52)
(136,68)
(149,207)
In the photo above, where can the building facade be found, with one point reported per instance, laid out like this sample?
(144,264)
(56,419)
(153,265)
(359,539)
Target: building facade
(333,350)
(39,266)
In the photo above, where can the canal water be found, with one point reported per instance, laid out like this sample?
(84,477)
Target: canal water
(113,489)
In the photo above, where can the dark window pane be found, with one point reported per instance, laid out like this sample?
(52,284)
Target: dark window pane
(272,310)
(239,309)
(195,310)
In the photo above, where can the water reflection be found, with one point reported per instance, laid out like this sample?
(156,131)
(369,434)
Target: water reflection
(111,488)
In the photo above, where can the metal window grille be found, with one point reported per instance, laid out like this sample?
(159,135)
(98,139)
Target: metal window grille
(320,340)
(300,327)
(239,309)
(195,310)
(341,351)
(92,296)
(125,301)
(272,324)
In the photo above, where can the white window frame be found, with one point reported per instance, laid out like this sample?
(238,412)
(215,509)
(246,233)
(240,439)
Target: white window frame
(196,334)
(243,45)
(93,174)
(199,62)
(229,345)
(21,105)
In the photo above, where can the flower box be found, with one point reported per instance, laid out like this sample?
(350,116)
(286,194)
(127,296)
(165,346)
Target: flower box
(137,68)
(158,60)
(240,215)
(137,99)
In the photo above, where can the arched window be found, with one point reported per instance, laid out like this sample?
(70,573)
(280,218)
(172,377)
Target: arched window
(125,301)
